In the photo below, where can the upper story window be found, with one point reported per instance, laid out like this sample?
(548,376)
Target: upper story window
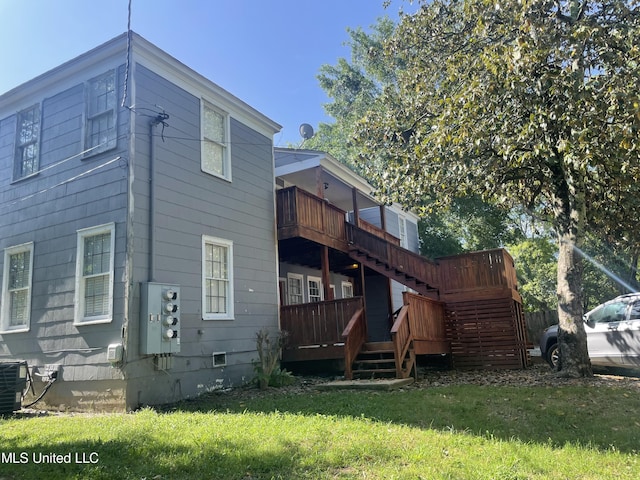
(16,288)
(101,133)
(27,142)
(94,274)
(216,155)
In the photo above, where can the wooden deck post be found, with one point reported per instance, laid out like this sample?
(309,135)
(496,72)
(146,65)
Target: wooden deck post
(383,225)
(356,213)
(326,280)
(319,184)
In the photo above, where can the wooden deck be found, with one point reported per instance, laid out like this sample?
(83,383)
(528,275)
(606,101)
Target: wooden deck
(469,307)
(301,214)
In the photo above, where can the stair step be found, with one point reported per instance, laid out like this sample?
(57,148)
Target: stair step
(377,346)
(375,372)
(374,361)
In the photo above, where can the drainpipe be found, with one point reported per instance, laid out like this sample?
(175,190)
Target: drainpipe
(159,119)
(152,201)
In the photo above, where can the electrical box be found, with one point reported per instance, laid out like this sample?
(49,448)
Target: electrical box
(114,353)
(13,380)
(159,318)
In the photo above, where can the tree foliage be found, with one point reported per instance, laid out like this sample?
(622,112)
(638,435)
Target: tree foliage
(530,103)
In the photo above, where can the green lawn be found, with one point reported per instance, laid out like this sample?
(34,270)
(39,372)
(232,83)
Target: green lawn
(454,432)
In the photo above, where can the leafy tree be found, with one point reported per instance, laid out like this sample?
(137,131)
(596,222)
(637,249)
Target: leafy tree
(467,224)
(530,103)
(537,270)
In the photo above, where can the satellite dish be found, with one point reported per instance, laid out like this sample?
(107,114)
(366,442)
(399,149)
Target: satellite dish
(306,131)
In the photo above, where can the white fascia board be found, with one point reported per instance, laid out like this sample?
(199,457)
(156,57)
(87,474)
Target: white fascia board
(147,54)
(298,166)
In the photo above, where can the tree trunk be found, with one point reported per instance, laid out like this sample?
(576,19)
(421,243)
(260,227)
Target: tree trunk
(570,216)
(572,339)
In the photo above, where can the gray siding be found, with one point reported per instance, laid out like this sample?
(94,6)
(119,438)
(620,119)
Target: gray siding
(190,204)
(335,278)
(70,192)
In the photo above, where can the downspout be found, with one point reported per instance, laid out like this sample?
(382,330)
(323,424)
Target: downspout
(152,197)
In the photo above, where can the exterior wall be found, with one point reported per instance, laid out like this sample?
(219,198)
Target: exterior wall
(190,204)
(336,279)
(70,192)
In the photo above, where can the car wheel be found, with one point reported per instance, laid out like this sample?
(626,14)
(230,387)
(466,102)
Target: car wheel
(553,356)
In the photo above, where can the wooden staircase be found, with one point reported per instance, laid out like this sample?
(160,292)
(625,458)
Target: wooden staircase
(377,360)
(393,261)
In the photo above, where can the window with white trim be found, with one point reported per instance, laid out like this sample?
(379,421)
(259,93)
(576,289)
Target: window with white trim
(16,288)
(295,289)
(402,229)
(314,289)
(347,290)
(27,143)
(94,275)
(217,278)
(101,131)
(216,155)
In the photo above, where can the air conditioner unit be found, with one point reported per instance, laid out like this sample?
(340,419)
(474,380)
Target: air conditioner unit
(13,380)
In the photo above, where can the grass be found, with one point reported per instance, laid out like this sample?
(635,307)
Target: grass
(454,432)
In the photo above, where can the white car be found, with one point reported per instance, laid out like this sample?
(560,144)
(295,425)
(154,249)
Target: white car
(613,334)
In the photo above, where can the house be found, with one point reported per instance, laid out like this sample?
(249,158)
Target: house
(353,287)
(137,230)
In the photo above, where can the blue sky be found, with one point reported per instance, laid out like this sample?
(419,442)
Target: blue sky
(266,52)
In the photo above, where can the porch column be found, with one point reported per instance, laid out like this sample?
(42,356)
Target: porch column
(319,184)
(326,280)
(383,225)
(356,213)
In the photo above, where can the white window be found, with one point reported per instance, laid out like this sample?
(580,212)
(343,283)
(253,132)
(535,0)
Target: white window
(27,143)
(347,290)
(217,279)
(295,289)
(101,133)
(16,288)
(402,228)
(314,289)
(94,275)
(216,155)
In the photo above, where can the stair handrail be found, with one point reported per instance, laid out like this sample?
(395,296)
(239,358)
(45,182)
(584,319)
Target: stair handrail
(402,338)
(355,336)
(400,258)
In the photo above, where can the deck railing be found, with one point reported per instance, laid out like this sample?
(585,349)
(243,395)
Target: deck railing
(299,208)
(354,336)
(402,337)
(480,271)
(319,323)
(427,323)
(400,258)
